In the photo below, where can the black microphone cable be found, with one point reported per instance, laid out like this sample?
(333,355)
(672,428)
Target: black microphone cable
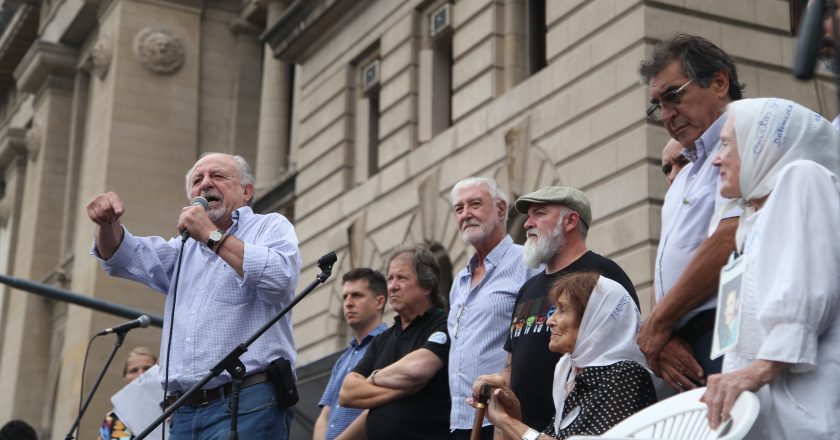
(184,236)
(171,328)
(82,384)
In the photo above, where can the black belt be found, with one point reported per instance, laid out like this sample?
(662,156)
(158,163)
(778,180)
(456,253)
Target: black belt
(697,326)
(203,397)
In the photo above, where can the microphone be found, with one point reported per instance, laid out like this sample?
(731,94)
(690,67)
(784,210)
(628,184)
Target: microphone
(196,201)
(808,43)
(143,321)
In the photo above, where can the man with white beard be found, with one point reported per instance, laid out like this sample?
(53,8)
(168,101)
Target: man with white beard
(482,295)
(558,221)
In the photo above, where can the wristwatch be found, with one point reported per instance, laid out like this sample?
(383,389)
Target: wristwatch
(531,434)
(215,238)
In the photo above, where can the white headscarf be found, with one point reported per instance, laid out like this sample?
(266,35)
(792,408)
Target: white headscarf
(772,133)
(607,335)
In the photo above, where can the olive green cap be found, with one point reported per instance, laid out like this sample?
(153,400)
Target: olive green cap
(567,196)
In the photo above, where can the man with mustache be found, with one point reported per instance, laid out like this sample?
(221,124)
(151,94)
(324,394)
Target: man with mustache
(691,82)
(238,271)
(482,295)
(363,291)
(557,225)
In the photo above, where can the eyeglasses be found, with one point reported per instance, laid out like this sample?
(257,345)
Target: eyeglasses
(670,99)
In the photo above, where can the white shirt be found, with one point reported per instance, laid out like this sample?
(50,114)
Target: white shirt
(790,305)
(686,212)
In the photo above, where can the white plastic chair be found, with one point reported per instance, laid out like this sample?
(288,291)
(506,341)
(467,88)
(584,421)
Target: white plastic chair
(683,417)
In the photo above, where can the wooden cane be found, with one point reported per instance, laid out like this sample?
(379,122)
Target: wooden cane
(481,407)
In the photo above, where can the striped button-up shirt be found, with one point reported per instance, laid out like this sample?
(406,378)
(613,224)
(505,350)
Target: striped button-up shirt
(341,417)
(479,321)
(216,309)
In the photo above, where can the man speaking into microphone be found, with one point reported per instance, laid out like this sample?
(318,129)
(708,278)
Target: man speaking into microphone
(238,270)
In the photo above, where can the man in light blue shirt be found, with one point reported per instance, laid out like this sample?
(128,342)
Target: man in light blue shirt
(238,271)
(482,296)
(691,82)
(363,291)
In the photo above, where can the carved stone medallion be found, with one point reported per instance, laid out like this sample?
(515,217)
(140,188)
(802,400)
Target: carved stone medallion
(159,50)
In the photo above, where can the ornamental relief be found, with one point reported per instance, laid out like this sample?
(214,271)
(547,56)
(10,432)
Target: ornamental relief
(100,56)
(33,141)
(159,50)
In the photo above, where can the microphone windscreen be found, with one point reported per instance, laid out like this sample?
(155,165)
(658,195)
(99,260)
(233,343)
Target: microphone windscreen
(200,201)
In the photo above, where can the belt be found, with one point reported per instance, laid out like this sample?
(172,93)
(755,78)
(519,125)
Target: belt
(698,326)
(203,397)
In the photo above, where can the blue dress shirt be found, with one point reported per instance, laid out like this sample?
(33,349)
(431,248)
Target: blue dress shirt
(216,308)
(341,417)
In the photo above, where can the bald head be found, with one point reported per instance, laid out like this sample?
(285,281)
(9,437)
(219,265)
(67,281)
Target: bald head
(672,160)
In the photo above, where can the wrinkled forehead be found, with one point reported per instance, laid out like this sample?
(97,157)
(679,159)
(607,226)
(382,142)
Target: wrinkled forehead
(217,163)
(667,79)
(401,263)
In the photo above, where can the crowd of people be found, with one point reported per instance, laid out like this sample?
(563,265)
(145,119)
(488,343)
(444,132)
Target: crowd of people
(551,328)
(753,191)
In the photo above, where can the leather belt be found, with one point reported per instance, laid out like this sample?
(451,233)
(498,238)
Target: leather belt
(203,397)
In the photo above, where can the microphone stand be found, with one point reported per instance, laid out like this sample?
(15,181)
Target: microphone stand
(231,362)
(120,338)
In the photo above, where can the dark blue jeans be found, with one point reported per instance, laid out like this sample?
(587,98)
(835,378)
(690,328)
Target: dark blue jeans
(259,418)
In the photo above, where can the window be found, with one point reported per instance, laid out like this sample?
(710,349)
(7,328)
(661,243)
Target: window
(435,97)
(536,30)
(366,160)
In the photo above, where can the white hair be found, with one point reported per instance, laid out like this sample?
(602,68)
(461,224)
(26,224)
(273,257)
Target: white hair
(246,176)
(496,192)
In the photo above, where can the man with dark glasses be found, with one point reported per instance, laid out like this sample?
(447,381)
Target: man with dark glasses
(691,81)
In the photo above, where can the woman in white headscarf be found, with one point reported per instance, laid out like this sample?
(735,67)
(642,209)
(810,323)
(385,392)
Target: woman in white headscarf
(601,379)
(781,161)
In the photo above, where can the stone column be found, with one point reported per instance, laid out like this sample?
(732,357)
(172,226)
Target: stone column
(515,43)
(272,143)
(246,104)
(46,72)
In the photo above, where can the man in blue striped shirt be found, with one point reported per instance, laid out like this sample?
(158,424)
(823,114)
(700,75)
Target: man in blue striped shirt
(482,296)
(363,291)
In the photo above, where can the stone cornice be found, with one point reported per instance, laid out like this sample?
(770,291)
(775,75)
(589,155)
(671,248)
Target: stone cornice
(302,24)
(42,61)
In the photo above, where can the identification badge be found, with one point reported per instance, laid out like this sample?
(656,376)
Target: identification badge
(728,315)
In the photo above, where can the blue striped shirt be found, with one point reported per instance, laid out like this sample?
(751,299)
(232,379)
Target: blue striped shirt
(479,321)
(216,308)
(341,417)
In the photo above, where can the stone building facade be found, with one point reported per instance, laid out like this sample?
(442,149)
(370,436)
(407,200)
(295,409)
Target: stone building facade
(358,116)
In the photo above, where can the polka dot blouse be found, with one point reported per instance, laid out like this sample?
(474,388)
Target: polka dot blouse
(602,397)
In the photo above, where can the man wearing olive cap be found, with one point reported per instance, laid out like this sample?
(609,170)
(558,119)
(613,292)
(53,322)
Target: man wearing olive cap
(558,221)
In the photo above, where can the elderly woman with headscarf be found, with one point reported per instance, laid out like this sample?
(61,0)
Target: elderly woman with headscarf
(780,161)
(600,380)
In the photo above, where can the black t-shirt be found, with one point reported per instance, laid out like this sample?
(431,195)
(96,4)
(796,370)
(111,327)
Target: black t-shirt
(424,415)
(532,364)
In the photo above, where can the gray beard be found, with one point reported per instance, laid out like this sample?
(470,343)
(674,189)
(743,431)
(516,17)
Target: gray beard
(542,249)
(216,214)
